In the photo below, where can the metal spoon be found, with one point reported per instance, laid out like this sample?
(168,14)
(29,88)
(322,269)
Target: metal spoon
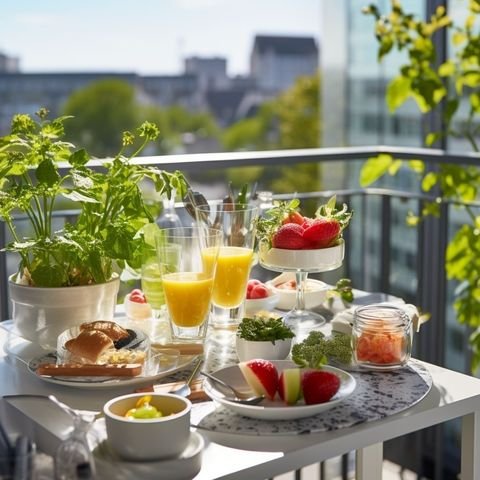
(185,390)
(240,397)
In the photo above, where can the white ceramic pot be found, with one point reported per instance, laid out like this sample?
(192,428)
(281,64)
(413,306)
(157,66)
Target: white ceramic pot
(248,349)
(42,314)
(153,438)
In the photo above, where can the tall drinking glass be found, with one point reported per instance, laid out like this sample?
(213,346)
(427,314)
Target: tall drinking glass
(187,259)
(237,222)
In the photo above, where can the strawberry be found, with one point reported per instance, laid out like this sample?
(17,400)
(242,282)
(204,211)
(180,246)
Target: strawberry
(259,291)
(307,221)
(289,236)
(137,296)
(250,284)
(319,386)
(322,232)
(294,217)
(261,375)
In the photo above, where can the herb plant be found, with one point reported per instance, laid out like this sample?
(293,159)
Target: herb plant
(38,169)
(259,329)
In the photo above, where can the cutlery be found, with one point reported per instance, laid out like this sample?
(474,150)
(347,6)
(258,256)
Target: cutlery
(194,199)
(185,390)
(240,397)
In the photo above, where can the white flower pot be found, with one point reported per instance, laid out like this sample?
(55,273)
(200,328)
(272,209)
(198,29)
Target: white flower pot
(41,314)
(249,349)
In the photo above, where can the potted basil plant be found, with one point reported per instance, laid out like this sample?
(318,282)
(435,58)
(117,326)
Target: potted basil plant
(69,273)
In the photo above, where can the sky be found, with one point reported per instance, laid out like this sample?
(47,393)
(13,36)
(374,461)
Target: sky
(144,36)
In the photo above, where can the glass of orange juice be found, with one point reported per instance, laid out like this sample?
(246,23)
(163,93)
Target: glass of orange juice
(235,259)
(187,278)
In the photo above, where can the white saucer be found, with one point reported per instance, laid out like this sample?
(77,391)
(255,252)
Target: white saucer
(186,465)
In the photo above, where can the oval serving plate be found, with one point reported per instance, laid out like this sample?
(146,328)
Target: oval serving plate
(163,370)
(276,410)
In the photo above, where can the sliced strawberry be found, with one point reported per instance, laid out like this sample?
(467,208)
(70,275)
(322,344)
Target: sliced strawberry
(289,236)
(261,375)
(294,217)
(322,232)
(319,386)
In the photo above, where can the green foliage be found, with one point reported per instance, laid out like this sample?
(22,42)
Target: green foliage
(343,290)
(317,349)
(433,86)
(291,120)
(103,109)
(106,234)
(259,329)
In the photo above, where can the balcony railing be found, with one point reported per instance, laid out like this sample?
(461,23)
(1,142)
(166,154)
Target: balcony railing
(382,253)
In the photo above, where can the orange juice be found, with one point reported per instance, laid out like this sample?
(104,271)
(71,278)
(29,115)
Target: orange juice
(231,276)
(188,295)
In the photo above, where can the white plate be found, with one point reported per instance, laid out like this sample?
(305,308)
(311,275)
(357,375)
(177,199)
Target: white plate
(186,465)
(276,410)
(105,382)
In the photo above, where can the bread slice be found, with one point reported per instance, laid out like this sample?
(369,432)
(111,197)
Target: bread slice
(89,345)
(111,329)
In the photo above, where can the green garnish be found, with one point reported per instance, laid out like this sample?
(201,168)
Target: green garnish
(317,349)
(342,289)
(259,329)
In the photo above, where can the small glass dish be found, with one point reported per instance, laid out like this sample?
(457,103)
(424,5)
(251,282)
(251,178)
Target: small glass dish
(161,359)
(381,337)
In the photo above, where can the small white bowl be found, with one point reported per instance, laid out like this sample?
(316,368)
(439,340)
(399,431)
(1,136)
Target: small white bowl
(136,310)
(315,293)
(249,349)
(255,305)
(148,439)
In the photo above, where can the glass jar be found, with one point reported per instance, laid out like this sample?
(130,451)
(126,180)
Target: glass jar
(381,337)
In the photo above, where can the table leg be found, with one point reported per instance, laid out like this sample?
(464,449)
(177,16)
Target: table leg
(471,446)
(368,462)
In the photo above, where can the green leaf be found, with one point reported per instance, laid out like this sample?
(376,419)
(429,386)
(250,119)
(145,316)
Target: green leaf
(48,275)
(79,158)
(446,69)
(451,107)
(47,173)
(429,181)
(374,168)
(417,166)
(395,167)
(431,138)
(386,44)
(76,196)
(398,91)
(458,38)
(475,102)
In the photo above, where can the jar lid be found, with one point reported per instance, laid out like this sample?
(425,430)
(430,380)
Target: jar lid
(387,314)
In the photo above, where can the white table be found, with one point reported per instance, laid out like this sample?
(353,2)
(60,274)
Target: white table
(231,457)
